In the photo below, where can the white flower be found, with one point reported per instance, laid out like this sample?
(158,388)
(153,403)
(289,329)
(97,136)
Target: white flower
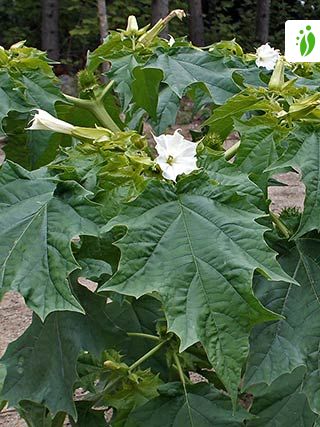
(176,155)
(267,56)
(171,40)
(45,121)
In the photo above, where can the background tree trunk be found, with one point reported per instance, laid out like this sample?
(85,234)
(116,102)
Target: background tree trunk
(103,28)
(103,19)
(196,27)
(160,9)
(262,20)
(50,28)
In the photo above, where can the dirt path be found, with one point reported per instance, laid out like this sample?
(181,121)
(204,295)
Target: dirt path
(15,317)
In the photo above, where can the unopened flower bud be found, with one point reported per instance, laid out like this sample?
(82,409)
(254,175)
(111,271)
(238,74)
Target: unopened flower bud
(277,78)
(132,26)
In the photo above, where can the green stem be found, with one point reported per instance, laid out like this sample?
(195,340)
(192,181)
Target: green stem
(131,368)
(147,355)
(103,116)
(232,151)
(105,90)
(111,384)
(147,336)
(181,374)
(280,225)
(97,109)
(133,41)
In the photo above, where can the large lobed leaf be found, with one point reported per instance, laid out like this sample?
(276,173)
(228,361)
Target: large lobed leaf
(222,119)
(185,66)
(41,364)
(38,219)
(282,404)
(198,405)
(198,246)
(303,154)
(279,348)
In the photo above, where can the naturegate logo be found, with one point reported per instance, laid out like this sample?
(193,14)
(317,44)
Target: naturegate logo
(306,41)
(302,42)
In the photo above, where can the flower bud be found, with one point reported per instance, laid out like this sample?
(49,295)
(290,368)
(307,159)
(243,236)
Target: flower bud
(132,26)
(277,78)
(179,13)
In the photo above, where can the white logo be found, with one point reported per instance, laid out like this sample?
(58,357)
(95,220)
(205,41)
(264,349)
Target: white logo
(303,41)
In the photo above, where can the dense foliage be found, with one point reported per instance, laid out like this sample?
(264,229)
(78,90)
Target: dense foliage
(197,276)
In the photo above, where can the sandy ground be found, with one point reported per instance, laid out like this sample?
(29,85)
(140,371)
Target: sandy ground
(15,316)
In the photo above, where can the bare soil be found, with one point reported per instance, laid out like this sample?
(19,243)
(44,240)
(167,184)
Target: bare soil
(15,317)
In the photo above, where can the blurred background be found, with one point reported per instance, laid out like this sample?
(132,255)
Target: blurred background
(68,28)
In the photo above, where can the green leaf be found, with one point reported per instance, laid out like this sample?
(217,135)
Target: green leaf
(140,316)
(40,91)
(183,67)
(145,89)
(94,269)
(121,73)
(21,93)
(229,174)
(88,417)
(37,415)
(133,395)
(221,121)
(258,149)
(168,106)
(41,364)
(11,98)
(279,348)
(38,220)
(201,405)
(198,245)
(100,248)
(104,52)
(31,150)
(282,404)
(303,153)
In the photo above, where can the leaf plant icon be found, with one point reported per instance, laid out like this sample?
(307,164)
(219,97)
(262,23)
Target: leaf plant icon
(307,42)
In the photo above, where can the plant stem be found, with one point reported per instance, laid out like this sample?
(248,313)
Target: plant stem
(105,90)
(280,225)
(103,116)
(181,374)
(147,355)
(232,151)
(97,109)
(147,336)
(132,367)
(111,384)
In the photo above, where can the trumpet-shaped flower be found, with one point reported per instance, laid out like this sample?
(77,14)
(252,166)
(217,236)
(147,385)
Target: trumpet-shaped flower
(267,56)
(45,121)
(176,155)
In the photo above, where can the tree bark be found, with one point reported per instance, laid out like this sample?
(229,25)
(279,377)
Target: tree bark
(103,28)
(196,27)
(50,28)
(103,19)
(262,20)
(160,9)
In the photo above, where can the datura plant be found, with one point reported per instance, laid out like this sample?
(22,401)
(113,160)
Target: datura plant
(165,289)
